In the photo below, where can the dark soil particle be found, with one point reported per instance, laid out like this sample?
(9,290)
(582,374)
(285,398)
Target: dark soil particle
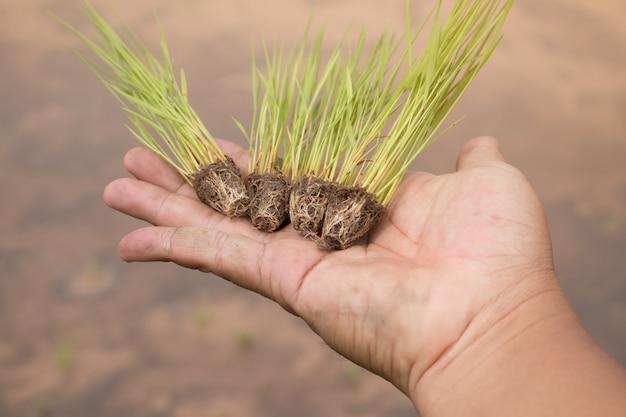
(269,200)
(221,186)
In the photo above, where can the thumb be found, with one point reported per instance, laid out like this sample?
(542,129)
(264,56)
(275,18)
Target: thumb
(479,151)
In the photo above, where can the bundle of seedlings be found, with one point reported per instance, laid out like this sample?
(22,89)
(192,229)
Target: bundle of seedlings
(274,93)
(349,130)
(456,50)
(162,118)
(268,187)
(288,96)
(303,102)
(346,122)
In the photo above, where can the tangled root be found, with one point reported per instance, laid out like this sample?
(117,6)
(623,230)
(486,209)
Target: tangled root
(350,214)
(221,186)
(269,200)
(307,205)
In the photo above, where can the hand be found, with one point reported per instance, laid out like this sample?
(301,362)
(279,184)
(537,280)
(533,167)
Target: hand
(454,253)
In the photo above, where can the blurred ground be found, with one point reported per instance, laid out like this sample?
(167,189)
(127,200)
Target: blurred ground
(81,333)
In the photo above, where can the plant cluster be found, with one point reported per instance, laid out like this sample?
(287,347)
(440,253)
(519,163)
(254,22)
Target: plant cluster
(162,119)
(332,134)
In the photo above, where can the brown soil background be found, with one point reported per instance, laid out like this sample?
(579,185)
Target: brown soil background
(82,333)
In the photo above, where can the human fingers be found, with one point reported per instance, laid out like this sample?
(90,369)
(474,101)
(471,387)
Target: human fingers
(147,166)
(274,267)
(480,151)
(161,207)
(228,255)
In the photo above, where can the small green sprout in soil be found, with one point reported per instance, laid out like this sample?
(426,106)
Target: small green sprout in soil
(244,340)
(64,356)
(43,408)
(353,374)
(202,318)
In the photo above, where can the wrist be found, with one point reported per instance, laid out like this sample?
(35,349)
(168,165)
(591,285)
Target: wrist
(517,354)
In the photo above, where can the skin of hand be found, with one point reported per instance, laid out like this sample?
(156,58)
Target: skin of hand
(454,256)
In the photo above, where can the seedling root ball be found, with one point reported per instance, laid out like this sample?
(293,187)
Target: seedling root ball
(350,214)
(307,205)
(221,186)
(269,200)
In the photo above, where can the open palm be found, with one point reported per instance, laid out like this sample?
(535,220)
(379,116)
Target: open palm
(448,247)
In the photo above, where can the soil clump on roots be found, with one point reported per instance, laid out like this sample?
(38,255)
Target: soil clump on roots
(332,215)
(269,200)
(307,205)
(221,186)
(350,214)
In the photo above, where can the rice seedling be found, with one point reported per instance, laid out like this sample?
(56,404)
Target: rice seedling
(202,318)
(349,129)
(433,82)
(244,339)
(301,107)
(352,374)
(353,112)
(43,408)
(64,355)
(456,50)
(274,96)
(156,103)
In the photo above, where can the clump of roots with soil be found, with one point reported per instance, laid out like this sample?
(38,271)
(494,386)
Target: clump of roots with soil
(332,134)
